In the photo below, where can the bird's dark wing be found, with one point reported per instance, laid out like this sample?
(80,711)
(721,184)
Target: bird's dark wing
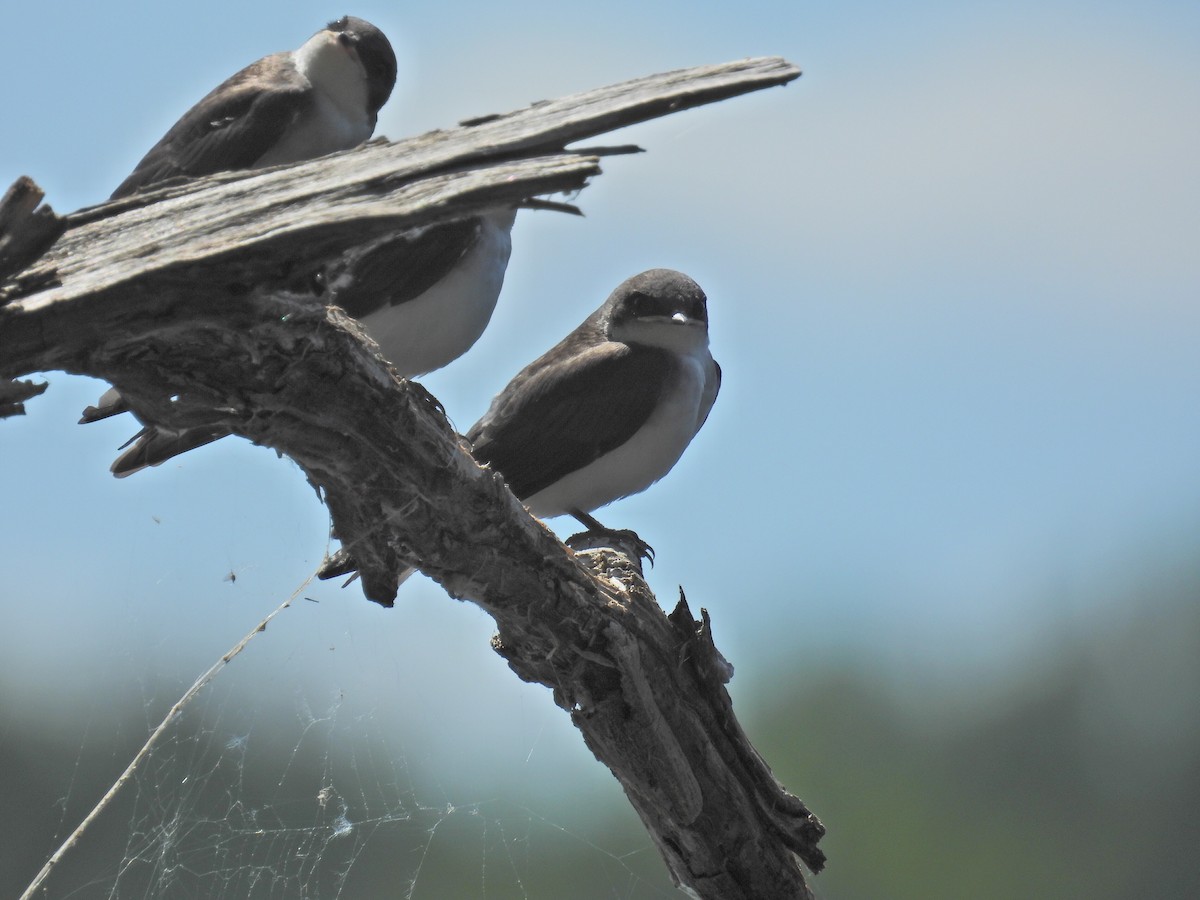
(405,266)
(230,128)
(553,420)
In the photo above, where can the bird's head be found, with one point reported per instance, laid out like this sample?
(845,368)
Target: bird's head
(658,308)
(374,53)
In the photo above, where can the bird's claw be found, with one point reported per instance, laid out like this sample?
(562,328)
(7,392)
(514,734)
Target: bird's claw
(622,539)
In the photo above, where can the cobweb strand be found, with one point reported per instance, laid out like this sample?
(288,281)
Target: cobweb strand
(152,742)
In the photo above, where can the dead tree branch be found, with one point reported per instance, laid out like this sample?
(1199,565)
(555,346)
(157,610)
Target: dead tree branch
(201,302)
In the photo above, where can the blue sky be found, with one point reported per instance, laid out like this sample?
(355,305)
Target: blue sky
(954,286)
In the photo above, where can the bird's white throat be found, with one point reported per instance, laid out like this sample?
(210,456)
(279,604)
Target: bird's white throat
(667,333)
(334,70)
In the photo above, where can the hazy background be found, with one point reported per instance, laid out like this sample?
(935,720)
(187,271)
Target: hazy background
(945,514)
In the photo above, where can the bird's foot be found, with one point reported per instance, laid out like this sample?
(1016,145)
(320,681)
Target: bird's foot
(623,540)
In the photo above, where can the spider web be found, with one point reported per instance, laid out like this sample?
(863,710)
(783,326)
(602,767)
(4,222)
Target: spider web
(286,786)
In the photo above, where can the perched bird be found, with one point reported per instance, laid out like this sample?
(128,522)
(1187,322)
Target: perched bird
(604,413)
(609,410)
(425,296)
(287,107)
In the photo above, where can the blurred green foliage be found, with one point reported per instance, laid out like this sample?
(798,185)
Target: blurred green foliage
(1075,774)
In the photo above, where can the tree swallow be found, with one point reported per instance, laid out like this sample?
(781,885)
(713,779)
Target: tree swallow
(286,107)
(425,297)
(609,410)
(604,413)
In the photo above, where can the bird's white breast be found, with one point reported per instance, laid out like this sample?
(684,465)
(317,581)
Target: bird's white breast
(442,324)
(649,454)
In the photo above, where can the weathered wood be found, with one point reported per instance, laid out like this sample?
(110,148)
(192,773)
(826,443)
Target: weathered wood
(27,229)
(92,274)
(13,395)
(189,222)
(202,304)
